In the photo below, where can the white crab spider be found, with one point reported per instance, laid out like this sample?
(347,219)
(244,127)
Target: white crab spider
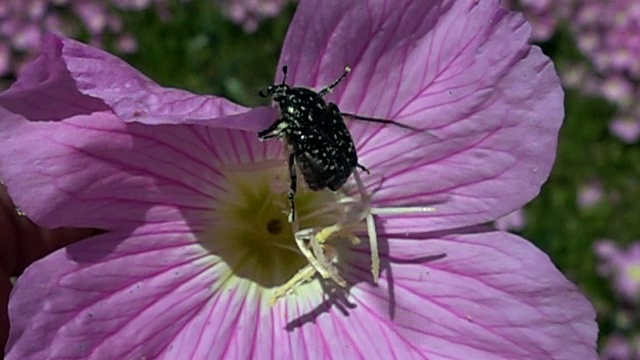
(322,257)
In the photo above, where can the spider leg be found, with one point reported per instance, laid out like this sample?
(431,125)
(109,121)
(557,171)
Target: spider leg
(308,254)
(303,275)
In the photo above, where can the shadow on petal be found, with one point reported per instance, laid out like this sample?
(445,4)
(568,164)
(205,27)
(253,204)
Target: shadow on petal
(337,298)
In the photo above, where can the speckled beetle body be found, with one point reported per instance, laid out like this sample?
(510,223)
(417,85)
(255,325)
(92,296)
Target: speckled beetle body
(317,137)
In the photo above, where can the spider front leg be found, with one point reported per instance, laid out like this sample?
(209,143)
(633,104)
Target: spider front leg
(312,244)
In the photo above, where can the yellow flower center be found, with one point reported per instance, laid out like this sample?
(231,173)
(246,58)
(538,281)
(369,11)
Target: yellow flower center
(252,233)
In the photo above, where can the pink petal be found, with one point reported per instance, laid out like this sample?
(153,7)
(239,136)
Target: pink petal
(515,221)
(136,98)
(475,295)
(85,160)
(97,171)
(45,91)
(462,70)
(110,298)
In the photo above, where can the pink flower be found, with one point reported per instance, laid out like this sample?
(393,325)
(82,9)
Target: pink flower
(545,15)
(22,23)
(626,128)
(623,266)
(617,347)
(608,34)
(249,13)
(194,209)
(590,194)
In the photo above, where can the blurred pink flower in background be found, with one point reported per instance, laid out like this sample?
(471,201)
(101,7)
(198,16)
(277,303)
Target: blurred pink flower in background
(618,347)
(622,266)
(194,208)
(608,34)
(590,194)
(627,128)
(545,15)
(22,23)
(249,13)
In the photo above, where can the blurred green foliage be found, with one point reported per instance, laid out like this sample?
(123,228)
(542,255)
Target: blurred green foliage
(199,50)
(586,152)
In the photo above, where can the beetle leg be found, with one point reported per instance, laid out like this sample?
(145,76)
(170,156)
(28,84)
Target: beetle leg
(274,130)
(363,168)
(293,176)
(330,88)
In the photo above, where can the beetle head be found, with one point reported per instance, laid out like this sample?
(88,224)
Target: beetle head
(277,91)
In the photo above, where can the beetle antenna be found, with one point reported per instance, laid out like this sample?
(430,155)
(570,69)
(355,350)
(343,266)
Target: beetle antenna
(284,71)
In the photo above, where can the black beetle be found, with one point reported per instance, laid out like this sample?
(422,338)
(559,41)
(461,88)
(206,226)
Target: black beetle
(318,139)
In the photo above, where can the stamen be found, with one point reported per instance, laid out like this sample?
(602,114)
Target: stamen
(402,210)
(319,212)
(286,247)
(371,225)
(371,229)
(373,245)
